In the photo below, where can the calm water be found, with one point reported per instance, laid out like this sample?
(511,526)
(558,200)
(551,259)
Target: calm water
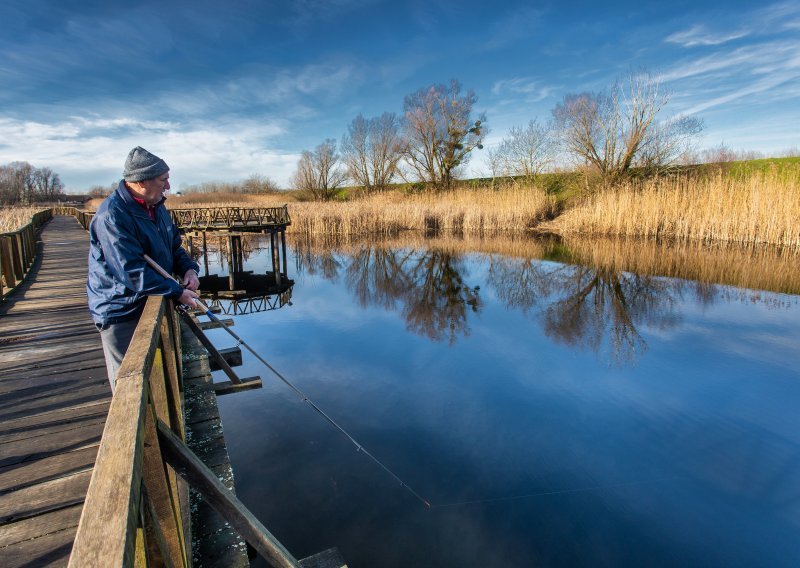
(556,407)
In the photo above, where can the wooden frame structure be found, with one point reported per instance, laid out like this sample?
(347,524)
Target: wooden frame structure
(18,252)
(136,511)
(231,218)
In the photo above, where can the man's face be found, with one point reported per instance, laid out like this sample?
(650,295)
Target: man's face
(153,189)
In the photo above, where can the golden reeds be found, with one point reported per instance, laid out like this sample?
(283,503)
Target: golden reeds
(758,208)
(456,212)
(14,218)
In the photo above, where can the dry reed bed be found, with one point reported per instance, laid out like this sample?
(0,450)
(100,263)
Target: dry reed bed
(14,218)
(459,212)
(761,208)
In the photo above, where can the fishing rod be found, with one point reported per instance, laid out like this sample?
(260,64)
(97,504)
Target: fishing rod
(301,394)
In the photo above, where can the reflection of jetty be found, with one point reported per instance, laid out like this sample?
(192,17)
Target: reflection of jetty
(245,293)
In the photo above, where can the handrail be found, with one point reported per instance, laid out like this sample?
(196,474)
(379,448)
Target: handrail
(208,217)
(136,510)
(231,217)
(18,252)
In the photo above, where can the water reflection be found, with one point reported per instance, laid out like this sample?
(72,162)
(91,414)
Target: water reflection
(425,285)
(592,295)
(241,291)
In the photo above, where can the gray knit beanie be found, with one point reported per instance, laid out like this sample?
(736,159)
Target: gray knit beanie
(142,165)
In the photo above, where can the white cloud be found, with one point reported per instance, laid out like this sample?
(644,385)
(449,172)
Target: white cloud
(699,35)
(88,151)
(525,87)
(769,69)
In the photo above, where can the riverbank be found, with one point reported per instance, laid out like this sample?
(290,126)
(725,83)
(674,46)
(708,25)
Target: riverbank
(755,202)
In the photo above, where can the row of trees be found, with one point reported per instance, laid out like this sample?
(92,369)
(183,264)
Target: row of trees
(611,132)
(23,184)
(430,142)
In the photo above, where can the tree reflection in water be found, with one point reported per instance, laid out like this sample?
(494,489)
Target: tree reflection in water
(588,294)
(425,285)
(585,306)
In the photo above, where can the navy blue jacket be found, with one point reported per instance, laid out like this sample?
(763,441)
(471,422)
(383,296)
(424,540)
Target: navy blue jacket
(119,279)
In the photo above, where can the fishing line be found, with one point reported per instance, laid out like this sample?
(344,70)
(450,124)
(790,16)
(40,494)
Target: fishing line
(301,394)
(553,492)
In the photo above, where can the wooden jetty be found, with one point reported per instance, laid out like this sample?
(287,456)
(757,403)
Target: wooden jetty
(54,397)
(226,219)
(91,480)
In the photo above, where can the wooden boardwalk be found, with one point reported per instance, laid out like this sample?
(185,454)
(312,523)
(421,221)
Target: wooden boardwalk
(54,397)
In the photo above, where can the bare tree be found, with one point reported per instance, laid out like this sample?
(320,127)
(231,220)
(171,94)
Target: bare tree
(47,184)
(318,171)
(610,130)
(21,183)
(439,132)
(371,149)
(526,151)
(668,143)
(258,183)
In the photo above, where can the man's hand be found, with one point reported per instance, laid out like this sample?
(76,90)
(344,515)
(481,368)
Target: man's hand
(188,298)
(190,280)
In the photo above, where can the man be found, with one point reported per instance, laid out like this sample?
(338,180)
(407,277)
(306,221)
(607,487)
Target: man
(130,223)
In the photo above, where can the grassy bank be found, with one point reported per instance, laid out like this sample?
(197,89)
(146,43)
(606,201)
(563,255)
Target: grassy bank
(759,207)
(750,202)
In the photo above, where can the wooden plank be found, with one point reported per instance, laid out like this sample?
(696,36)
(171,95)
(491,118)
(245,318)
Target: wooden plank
(83,395)
(227,387)
(38,447)
(204,325)
(50,550)
(212,351)
(113,497)
(162,495)
(44,497)
(203,480)
(63,418)
(57,465)
(35,527)
(330,558)
(231,355)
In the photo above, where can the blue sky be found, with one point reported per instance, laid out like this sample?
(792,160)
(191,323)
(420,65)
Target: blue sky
(222,90)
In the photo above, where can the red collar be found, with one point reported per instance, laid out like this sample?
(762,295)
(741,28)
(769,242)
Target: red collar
(151,211)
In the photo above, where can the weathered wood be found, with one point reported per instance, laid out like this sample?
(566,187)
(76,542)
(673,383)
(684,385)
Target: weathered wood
(161,496)
(31,473)
(48,550)
(41,525)
(215,324)
(53,397)
(201,478)
(32,448)
(330,558)
(223,365)
(227,387)
(111,506)
(43,497)
(231,355)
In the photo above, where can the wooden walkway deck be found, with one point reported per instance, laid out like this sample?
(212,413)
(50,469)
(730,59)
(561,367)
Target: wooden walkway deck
(54,397)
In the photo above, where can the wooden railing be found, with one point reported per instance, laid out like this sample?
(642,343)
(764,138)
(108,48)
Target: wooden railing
(83,217)
(136,511)
(208,218)
(231,217)
(18,252)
